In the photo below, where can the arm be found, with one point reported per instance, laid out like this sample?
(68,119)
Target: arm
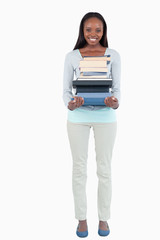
(116,75)
(68,75)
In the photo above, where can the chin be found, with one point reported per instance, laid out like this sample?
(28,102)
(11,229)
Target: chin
(92,43)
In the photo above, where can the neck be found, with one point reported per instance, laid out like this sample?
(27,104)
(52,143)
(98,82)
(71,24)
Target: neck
(93,47)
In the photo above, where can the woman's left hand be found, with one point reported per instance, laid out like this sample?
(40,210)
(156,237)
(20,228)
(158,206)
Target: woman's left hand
(111,102)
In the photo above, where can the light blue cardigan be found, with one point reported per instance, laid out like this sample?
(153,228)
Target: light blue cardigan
(90,113)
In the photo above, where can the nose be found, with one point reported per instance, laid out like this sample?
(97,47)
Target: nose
(93,36)
(93,33)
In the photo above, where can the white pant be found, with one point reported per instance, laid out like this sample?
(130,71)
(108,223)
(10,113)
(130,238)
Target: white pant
(104,134)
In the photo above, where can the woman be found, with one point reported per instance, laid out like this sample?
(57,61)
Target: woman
(92,41)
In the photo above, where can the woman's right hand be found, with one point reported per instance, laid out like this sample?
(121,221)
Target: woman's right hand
(76,103)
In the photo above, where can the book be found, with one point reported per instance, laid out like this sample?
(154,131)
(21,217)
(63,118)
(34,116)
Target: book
(93,69)
(92,63)
(94,98)
(97,58)
(93,75)
(93,101)
(107,58)
(85,78)
(93,84)
(94,95)
(89,83)
(92,89)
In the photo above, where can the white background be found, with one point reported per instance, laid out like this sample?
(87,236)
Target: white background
(36,199)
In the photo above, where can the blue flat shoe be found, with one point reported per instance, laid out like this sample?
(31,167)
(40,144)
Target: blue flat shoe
(104,233)
(81,234)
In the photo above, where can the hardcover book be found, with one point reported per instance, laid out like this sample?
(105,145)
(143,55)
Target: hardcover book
(93,84)
(94,98)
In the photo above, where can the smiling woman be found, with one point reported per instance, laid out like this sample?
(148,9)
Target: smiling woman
(92,25)
(93,31)
(92,41)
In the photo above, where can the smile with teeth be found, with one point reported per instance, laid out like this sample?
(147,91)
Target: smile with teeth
(93,39)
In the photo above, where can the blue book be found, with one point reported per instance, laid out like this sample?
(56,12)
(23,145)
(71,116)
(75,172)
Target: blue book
(94,74)
(96,99)
(94,95)
(93,101)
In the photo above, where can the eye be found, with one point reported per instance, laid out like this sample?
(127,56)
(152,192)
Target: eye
(98,30)
(88,29)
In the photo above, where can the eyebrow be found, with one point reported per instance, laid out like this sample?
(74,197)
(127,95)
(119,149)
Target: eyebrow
(96,28)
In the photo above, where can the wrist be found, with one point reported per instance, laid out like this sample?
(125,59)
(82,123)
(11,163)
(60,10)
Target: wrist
(71,108)
(116,106)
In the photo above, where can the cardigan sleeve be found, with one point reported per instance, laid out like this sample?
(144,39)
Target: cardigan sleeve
(116,75)
(68,75)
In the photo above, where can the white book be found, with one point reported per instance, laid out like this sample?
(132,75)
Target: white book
(94,79)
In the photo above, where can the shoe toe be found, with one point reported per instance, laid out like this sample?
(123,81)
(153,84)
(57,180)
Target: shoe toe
(81,234)
(103,232)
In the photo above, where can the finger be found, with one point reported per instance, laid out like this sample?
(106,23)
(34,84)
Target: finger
(72,104)
(110,102)
(82,100)
(107,101)
(73,100)
(114,102)
(79,101)
(114,99)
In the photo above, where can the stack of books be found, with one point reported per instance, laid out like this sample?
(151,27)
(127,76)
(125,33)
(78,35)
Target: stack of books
(93,84)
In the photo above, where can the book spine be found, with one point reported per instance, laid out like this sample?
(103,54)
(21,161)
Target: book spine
(98,58)
(93,89)
(92,63)
(93,69)
(94,74)
(94,95)
(94,101)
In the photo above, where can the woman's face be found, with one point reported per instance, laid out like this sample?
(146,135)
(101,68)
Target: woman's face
(93,30)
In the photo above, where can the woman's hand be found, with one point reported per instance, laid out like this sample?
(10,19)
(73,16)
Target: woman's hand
(111,102)
(76,103)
